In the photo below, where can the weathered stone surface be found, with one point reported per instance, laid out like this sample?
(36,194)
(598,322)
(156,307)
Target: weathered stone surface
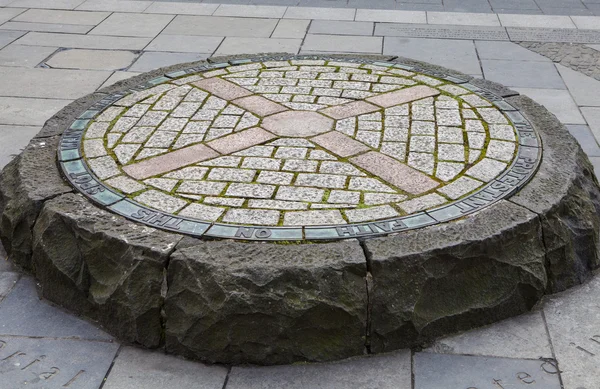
(103,266)
(454,276)
(266,303)
(565,193)
(25,183)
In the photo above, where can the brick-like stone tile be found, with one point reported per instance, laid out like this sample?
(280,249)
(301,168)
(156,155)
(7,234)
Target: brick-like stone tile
(259,105)
(350,109)
(307,218)
(297,124)
(171,161)
(394,172)
(402,96)
(241,140)
(340,144)
(222,88)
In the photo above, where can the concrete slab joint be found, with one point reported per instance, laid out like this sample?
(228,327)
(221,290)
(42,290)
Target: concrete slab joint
(283,208)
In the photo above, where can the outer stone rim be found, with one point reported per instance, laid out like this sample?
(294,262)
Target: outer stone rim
(521,170)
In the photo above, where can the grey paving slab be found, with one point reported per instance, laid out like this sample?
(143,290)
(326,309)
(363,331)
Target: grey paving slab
(28,112)
(421,7)
(523,74)
(54,364)
(572,319)
(128,24)
(7,37)
(467,6)
(441,31)
(14,139)
(49,83)
(291,28)
(520,337)
(388,16)
(116,77)
(514,4)
(584,89)
(22,313)
(83,41)
(24,56)
(586,139)
(135,368)
(61,17)
(92,59)
(381,4)
(463,19)
(185,43)
(566,11)
(115,5)
(239,45)
(182,8)
(592,116)
(221,26)
(150,60)
(341,27)
(519,34)
(46,27)
(587,22)
(438,371)
(507,51)
(536,21)
(454,54)
(385,371)
(250,11)
(352,44)
(319,13)
(48,4)
(557,101)
(9,13)
(8,280)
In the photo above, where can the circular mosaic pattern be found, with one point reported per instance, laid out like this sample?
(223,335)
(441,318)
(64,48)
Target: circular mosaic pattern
(299,149)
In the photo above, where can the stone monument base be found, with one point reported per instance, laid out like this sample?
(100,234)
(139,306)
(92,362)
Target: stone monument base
(233,291)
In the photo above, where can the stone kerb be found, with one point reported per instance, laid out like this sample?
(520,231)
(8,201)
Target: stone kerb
(221,300)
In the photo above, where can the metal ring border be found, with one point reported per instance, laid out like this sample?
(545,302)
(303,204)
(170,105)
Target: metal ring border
(79,175)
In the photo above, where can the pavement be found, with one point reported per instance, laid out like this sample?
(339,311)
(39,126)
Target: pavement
(54,51)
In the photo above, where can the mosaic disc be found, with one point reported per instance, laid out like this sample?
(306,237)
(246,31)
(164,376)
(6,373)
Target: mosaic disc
(300,149)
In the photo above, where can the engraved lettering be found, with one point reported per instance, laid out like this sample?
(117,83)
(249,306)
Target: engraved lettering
(159,219)
(550,367)
(49,374)
(475,202)
(342,231)
(141,214)
(498,383)
(2,344)
(398,225)
(593,339)
(15,354)
(174,223)
(73,379)
(262,233)
(39,359)
(464,208)
(383,226)
(244,232)
(582,349)
(364,229)
(525,378)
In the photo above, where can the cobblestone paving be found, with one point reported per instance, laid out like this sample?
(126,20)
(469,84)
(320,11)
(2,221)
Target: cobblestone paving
(300,142)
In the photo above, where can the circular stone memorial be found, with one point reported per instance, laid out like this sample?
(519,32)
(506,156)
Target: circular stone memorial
(298,208)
